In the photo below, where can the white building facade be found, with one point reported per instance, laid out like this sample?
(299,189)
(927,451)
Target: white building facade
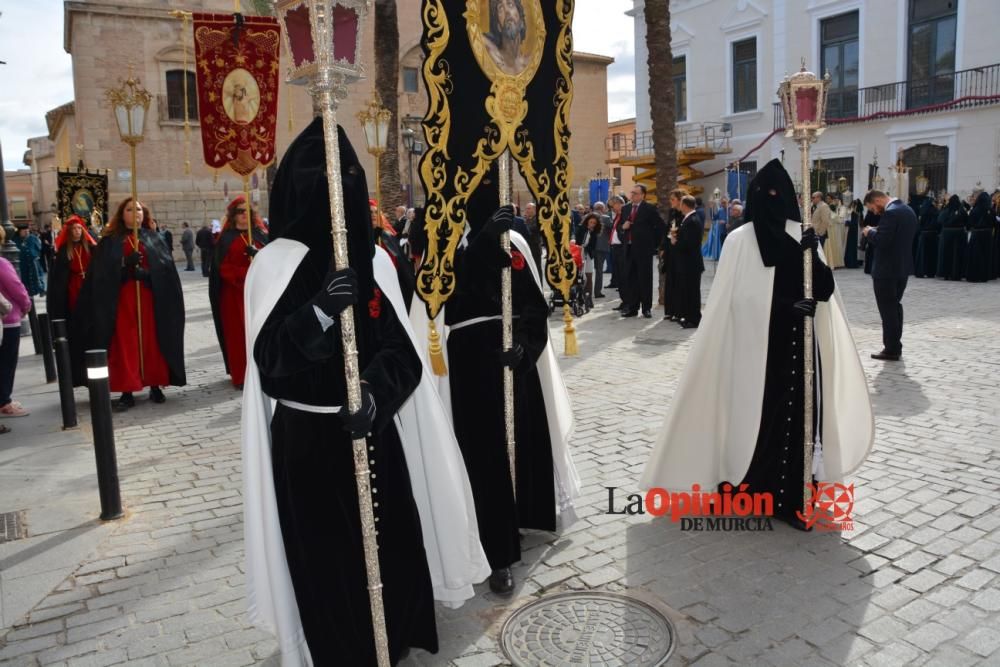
(917,76)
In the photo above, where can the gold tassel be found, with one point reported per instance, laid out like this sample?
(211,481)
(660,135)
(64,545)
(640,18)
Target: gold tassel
(288,95)
(572,349)
(437,355)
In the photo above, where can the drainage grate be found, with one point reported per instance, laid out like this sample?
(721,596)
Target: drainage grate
(588,628)
(12,526)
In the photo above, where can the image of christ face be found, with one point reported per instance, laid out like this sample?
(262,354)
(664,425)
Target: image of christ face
(507,32)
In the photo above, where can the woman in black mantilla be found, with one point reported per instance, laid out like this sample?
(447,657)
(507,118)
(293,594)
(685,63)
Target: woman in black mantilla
(298,353)
(778,459)
(476,364)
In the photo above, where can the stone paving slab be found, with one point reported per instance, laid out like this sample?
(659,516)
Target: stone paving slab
(915,582)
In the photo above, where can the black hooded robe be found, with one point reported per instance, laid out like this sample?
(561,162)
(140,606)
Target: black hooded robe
(927,241)
(979,253)
(476,376)
(57,305)
(94,321)
(312,458)
(953,241)
(777,463)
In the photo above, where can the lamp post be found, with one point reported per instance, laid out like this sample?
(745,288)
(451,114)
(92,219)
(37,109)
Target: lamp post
(130,102)
(323,38)
(375,120)
(803,97)
(408,141)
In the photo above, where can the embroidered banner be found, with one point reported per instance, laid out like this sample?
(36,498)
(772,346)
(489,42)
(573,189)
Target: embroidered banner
(237,67)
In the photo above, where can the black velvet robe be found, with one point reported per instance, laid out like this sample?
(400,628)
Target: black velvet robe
(925,261)
(476,377)
(312,460)
(97,306)
(57,306)
(979,254)
(851,252)
(953,241)
(777,464)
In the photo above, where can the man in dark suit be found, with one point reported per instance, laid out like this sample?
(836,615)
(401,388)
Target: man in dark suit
(891,266)
(643,229)
(687,264)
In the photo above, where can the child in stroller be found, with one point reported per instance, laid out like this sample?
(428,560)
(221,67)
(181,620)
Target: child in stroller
(579,302)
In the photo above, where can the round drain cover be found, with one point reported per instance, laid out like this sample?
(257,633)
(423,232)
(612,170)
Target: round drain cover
(587,628)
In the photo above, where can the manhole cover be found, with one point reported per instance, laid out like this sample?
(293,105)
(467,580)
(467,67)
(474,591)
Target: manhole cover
(587,629)
(12,526)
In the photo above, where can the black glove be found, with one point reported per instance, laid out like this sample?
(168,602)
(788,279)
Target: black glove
(132,260)
(340,290)
(809,240)
(359,424)
(251,251)
(512,357)
(805,307)
(501,221)
(144,275)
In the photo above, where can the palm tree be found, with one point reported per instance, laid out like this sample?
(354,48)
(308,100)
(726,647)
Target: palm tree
(387,86)
(661,99)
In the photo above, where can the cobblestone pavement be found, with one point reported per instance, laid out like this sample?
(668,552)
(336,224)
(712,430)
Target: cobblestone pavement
(916,582)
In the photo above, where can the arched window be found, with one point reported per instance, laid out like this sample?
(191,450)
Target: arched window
(175,95)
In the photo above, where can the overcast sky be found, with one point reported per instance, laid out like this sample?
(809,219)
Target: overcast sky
(38,73)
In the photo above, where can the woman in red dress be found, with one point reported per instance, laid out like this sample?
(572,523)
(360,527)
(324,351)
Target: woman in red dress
(66,276)
(230,263)
(142,326)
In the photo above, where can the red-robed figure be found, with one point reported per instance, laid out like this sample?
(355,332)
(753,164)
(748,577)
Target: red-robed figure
(135,308)
(230,262)
(73,245)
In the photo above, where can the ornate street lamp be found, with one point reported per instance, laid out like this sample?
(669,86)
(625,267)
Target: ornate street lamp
(130,102)
(803,97)
(323,38)
(923,183)
(375,120)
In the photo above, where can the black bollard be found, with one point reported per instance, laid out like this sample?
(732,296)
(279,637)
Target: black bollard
(64,364)
(48,359)
(104,434)
(33,324)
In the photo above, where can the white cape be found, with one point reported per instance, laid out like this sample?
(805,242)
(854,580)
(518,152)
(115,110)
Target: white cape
(438,478)
(711,428)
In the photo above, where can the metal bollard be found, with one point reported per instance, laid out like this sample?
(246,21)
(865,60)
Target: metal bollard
(64,364)
(104,434)
(48,359)
(33,324)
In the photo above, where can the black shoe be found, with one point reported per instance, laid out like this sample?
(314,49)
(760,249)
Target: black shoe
(647,314)
(502,581)
(629,313)
(124,402)
(796,523)
(612,285)
(156,395)
(599,296)
(688,325)
(886,356)
(673,318)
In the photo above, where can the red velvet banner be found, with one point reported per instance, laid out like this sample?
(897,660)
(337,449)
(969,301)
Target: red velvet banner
(237,70)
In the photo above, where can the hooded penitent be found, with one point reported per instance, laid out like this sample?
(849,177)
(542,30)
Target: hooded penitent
(305,561)
(746,365)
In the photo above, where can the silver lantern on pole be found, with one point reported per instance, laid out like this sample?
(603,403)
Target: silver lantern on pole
(323,39)
(803,98)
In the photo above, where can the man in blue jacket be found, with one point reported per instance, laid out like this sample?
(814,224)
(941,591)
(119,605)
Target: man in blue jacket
(891,267)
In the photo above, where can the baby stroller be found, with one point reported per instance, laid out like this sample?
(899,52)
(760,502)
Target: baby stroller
(578,290)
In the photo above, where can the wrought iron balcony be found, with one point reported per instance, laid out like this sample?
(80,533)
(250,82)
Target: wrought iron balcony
(702,137)
(975,87)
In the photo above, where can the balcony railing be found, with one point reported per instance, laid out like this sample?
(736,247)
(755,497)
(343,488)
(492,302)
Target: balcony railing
(965,89)
(707,137)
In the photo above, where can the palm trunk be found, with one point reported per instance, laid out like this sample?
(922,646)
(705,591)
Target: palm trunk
(661,100)
(387,85)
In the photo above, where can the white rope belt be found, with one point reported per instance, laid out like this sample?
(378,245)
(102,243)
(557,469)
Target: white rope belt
(317,409)
(476,320)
